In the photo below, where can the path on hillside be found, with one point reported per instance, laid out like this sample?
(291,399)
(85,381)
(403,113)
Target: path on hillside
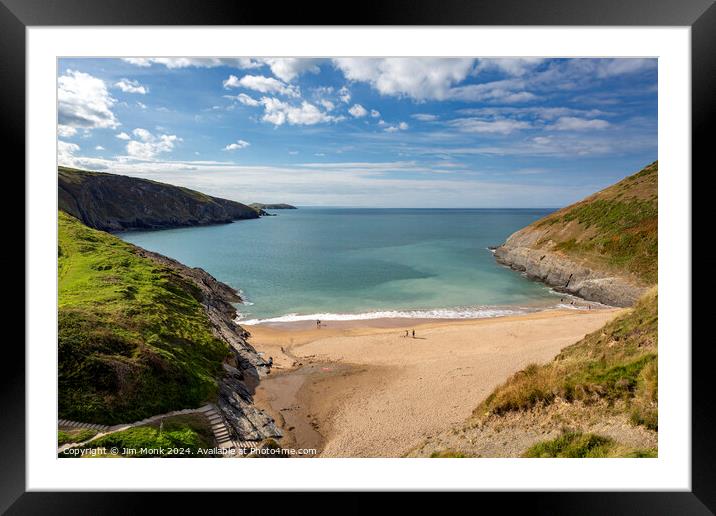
(221,432)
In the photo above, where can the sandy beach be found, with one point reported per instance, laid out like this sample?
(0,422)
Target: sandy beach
(362,389)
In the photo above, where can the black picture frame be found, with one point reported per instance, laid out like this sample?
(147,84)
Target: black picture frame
(700,15)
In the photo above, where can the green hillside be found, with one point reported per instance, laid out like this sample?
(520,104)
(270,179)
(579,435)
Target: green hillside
(134,339)
(615,228)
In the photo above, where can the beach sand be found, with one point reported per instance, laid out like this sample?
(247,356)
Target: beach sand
(362,389)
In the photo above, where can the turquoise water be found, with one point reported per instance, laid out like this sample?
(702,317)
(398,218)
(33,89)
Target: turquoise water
(338,263)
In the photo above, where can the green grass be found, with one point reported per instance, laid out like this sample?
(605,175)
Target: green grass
(617,362)
(184,432)
(134,339)
(617,227)
(626,236)
(578,445)
(76,435)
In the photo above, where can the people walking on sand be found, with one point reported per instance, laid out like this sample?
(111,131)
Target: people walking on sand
(406,333)
(413,333)
(318,323)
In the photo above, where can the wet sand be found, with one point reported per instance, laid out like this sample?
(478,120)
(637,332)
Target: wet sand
(362,389)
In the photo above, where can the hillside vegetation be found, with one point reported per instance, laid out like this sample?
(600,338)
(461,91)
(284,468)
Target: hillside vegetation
(597,398)
(112,202)
(614,228)
(616,363)
(134,339)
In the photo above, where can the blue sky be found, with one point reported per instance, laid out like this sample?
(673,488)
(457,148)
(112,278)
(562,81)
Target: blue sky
(389,132)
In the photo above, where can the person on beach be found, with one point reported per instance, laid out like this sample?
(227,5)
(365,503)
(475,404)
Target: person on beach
(406,334)
(413,333)
(318,323)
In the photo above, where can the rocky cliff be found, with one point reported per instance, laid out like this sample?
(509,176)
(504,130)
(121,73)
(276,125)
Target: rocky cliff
(112,202)
(243,367)
(603,248)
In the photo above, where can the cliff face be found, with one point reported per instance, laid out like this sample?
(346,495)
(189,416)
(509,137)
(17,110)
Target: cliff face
(114,203)
(603,248)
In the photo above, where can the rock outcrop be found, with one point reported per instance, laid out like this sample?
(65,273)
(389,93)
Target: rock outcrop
(244,366)
(603,248)
(111,202)
(565,275)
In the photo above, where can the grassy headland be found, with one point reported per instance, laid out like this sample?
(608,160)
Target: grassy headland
(134,339)
(615,228)
(112,202)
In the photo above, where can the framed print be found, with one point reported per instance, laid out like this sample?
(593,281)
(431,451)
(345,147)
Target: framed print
(448,251)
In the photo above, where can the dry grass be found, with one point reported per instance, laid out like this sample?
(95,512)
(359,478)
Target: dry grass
(617,362)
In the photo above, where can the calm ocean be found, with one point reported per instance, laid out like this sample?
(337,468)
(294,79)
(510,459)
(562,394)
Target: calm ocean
(339,263)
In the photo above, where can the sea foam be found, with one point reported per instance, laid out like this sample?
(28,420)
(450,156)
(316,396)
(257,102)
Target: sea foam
(478,312)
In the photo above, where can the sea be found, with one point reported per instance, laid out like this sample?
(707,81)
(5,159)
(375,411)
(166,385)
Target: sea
(358,263)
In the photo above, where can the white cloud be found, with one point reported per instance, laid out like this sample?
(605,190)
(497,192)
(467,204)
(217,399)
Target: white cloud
(570,123)
(327,104)
(66,153)
(262,84)
(245,99)
(402,126)
(374,113)
(84,102)
(65,131)
(418,78)
(278,112)
(506,90)
(231,82)
(424,117)
(288,68)
(344,94)
(130,86)
(148,146)
(123,136)
(495,126)
(142,134)
(138,61)
(539,112)
(515,66)
(358,111)
(620,66)
(99,148)
(239,144)
(199,62)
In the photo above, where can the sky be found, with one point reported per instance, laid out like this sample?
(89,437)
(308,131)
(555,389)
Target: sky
(367,132)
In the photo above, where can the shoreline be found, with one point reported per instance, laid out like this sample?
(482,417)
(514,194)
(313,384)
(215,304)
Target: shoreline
(391,318)
(361,389)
